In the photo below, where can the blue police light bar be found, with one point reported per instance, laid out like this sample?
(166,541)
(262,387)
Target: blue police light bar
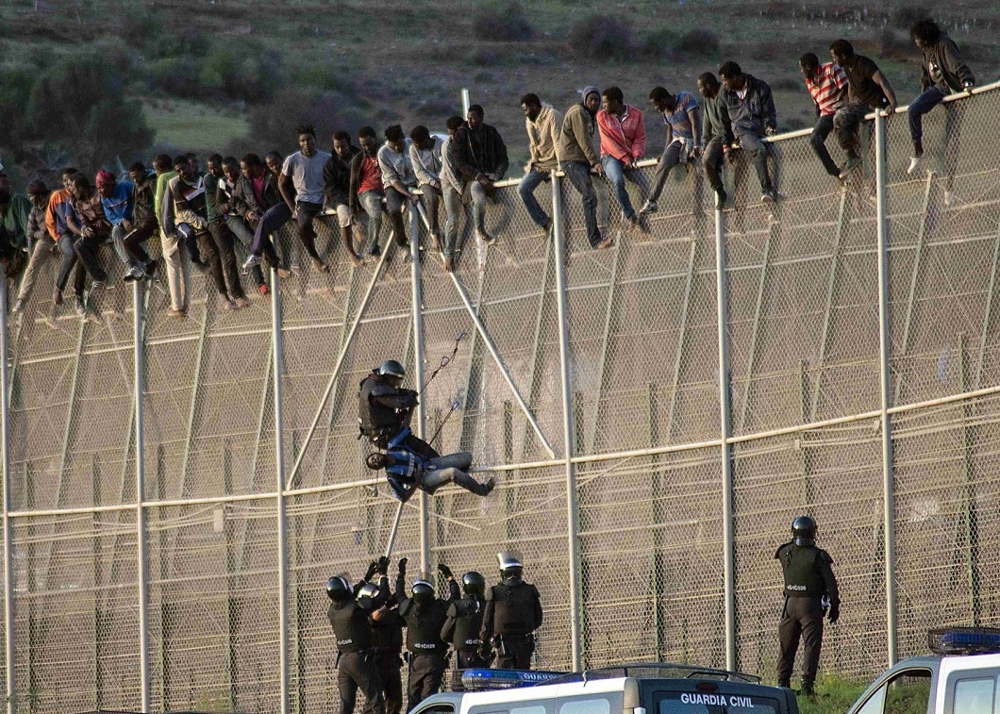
(964,640)
(478,680)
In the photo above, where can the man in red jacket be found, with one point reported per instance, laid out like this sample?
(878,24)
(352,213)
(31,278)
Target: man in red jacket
(623,144)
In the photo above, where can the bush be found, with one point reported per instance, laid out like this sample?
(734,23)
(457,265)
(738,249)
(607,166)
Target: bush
(273,124)
(502,22)
(659,43)
(601,36)
(699,42)
(906,16)
(179,76)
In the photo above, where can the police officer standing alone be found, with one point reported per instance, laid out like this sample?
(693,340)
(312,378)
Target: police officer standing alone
(424,615)
(464,625)
(513,613)
(348,615)
(809,587)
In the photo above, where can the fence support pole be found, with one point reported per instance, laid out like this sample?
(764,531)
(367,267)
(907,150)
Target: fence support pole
(572,512)
(885,381)
(279,461)
(8,563)
(140,489)
(419,424)
(728,526)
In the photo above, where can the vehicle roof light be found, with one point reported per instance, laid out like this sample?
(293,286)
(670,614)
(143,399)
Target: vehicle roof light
(964,640)
(478,680)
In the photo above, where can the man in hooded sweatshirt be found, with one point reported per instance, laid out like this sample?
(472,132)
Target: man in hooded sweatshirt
(541,122)
(944,72)
(578,156)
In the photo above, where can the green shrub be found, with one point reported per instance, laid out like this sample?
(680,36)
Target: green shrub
(501,22)
(602,37)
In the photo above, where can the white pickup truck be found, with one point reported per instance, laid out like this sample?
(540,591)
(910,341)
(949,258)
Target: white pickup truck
(959,678)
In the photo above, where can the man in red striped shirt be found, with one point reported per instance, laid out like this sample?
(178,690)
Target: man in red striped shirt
(827,84)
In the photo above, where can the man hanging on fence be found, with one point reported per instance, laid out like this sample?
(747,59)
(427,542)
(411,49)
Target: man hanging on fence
(384,413)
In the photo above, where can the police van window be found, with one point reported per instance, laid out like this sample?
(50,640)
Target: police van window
(714,703)
(528,709)
(974,696)
(439,709)
(908,692)
(590,705)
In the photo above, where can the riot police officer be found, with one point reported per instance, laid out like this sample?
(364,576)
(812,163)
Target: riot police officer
(464,626)
(348,615)
(513,613)
(384,409)
(810,587)
(424,615)
(387,627)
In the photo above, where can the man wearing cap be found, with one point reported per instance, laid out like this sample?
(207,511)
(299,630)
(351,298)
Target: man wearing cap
(513,613)
(118,202)
(577,154)
(43,245)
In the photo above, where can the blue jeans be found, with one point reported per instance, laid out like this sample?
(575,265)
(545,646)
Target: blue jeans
(578,174)
(526,189)
(371,201)
(927,100)
(617,173)
(270,223)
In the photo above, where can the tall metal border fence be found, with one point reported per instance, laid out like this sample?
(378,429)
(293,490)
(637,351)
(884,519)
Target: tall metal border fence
(177,491)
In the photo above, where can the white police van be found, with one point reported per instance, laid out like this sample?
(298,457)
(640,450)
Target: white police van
(632,689)
(959,678)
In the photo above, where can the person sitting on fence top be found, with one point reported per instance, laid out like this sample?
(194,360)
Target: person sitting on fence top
(481,157)
(827,85)
(943,71)
(682,117)
(57,221)
(42,244)
(144,223)
(301,186)
(542,124)
(623,144)
(578,155)
(716,133)
(748,105)
(118,202)
(229,208)
(425,158)
(398,179)
(867,90)
(223,239)
(366,192)
(92,229)
(451,190)
(257,194)
(336,185)
(14,211)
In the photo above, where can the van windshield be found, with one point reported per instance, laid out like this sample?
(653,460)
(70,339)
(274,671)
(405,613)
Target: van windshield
(715,703)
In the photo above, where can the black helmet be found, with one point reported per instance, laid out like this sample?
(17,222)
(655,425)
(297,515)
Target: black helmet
(338,588)
(473,583)
(366,595)
(423,590)
(391,368)
(510,564)
(804,530)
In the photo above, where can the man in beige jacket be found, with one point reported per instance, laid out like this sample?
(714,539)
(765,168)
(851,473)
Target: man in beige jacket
(542,123)
(578,156)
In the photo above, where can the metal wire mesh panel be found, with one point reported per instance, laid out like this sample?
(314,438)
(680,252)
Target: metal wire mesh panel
(835,475)
(76,624)
(946,564)
(649,528)
(213,605)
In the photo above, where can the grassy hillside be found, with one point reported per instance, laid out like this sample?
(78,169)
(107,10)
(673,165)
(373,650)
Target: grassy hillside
(211,71)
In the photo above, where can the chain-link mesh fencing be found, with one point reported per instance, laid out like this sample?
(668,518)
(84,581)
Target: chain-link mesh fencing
(803,377)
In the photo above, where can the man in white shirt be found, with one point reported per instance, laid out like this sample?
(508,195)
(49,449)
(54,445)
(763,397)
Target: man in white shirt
(301,186)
